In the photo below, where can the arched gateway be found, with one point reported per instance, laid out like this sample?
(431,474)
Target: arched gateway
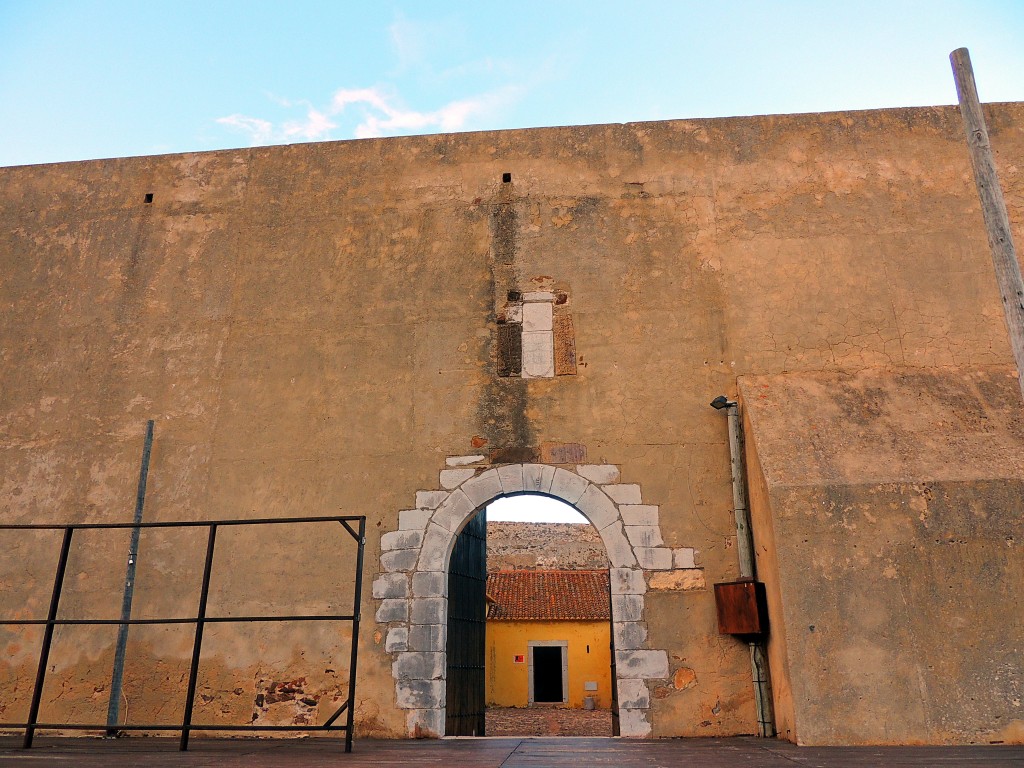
(412,586)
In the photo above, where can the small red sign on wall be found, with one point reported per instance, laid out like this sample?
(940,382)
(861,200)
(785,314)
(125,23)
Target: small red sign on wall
(519,658)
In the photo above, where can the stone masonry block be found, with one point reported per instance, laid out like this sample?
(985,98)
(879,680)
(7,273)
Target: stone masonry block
(430,584)
(453,478)
(633,694)
(538,296)
(425,723)
(537,316)
(633,724)
(453,513)
(602,474)
(533,478)
(568,486)
(482,488)
(427,637)
(392,610)
(418,665)
(627,607)
(623,493)
(397,640)
(538,354)
(597,507)
(654,558)
(641,664)
(629,635)
(620,553)
(624,581)
(430,499)
(420,694)
(547,476)
(511,477)
(429,610)
(639,514)
(461,461)
(401,540)
(391,585)
(684,557)
(644,536)
(434,552)
(413,519)
(399,560)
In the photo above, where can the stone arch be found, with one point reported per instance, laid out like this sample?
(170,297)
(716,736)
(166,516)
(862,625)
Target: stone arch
(413,581)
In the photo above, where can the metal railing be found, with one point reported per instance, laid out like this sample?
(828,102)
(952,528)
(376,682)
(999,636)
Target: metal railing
(200,620)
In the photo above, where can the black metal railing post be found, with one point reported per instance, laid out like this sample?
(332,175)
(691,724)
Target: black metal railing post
(190,696)
(44,651)
(356,609)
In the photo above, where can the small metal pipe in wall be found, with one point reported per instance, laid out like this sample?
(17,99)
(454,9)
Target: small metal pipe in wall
(745,551)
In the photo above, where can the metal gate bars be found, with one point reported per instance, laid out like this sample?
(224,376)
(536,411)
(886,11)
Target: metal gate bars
(200,620)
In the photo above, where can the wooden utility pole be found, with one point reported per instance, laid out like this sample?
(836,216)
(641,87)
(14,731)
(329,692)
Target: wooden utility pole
(993,208)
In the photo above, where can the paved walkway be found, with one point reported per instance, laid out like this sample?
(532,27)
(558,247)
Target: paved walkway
(548,721)
(494,753)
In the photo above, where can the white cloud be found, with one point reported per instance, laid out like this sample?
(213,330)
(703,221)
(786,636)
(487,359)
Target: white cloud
(378,114)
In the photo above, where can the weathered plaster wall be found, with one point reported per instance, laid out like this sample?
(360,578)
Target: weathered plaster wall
(887,517)
(313,328)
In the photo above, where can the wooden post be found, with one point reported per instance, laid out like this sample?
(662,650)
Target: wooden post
(993,208)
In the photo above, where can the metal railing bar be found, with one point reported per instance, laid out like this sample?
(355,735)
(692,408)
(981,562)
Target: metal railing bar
(174,523)
(356,606)
(44,651)
(165,727)
(349,529)
(330,720)
(190,696)
(208,620)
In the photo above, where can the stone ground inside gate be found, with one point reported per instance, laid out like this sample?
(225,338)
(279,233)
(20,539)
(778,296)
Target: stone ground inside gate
(548,721)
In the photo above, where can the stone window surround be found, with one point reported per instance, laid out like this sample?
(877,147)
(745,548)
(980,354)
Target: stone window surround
(411,588)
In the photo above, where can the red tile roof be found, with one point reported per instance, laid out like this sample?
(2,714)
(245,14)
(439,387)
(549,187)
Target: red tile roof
(548,596)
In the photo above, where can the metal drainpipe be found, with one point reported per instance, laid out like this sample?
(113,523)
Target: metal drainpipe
(745,551)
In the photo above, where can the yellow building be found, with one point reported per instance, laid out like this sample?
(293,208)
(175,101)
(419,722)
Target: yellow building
(548,639)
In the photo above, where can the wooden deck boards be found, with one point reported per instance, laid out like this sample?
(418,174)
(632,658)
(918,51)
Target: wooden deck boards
(593,752)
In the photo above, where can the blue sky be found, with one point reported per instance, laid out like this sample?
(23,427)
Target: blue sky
(92,79)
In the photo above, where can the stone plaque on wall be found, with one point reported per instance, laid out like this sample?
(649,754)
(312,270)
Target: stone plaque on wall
(563,453)
(510,349)
(565,345)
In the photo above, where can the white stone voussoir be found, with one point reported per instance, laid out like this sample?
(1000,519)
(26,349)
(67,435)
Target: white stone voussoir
(620,553)
(568,486)
(629,635)
(633,723)
(482,488)
(634,694)
(437,543)
(453,478)
(597,507)
(627,607)
(392,610)
(455,510)
(393,585)
(625,581)
(430,584)
(413,519)
(644,535)
(654,558)
(430,499)
(639,514)
(533,478)
(401,540)
(602,474)
(641,664)
(628,493)
(511,478)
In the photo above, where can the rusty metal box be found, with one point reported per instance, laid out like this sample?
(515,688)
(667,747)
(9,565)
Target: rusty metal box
(742,608)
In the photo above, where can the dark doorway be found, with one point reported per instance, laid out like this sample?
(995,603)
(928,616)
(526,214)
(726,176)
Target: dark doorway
(547,674)
(467,620)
